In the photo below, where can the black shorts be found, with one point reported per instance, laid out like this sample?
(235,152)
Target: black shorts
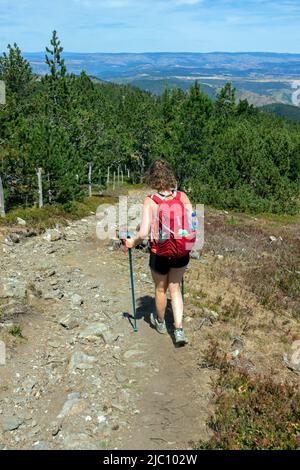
(163,264)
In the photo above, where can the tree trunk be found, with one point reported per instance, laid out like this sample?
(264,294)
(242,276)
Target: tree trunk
(114,186)
(2,92)
(2,206)
(142,166)
(107,182)
(40,186)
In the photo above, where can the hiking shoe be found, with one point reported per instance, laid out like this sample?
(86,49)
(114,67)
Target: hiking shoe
(159,326)
(180,338)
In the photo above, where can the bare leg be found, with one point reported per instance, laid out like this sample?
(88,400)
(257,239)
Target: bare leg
(175,277)
(161,286)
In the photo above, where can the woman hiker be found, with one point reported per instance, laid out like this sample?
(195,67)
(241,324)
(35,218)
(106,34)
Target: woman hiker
(164,215)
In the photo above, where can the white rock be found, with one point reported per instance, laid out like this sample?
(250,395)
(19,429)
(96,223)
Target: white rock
(52,235)
(95,330)
(76,300)
(21,221)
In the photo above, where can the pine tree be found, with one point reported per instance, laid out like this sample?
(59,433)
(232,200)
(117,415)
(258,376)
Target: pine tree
(225,105)
(16,72)
(54,60)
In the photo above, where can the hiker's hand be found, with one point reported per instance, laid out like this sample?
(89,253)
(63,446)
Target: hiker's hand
(130,243)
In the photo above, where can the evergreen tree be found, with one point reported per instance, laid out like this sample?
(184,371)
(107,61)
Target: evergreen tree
(225,105)
(54,59)
(16,72)
(230,155)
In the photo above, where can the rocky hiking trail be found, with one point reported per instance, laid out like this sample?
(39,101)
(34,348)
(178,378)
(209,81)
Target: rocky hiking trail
(77,376)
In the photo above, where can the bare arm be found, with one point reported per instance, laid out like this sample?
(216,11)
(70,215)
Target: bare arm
(145,226)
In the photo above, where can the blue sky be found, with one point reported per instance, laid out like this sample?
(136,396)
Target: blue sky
(152,25)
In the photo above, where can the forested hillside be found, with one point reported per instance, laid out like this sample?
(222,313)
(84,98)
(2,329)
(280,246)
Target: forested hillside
(227,154)
(286,111)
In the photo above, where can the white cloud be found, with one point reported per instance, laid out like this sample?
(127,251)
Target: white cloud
(124,3)
(188,2)
(103,3)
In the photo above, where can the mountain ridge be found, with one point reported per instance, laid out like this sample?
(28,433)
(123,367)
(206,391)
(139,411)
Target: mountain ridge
(263,77)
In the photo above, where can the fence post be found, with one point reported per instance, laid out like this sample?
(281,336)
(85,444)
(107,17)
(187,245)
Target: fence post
(2,206)
(40,186)
(90,179)
(49,189)
(114,186)
(2,202)
(118,176)
(107,181)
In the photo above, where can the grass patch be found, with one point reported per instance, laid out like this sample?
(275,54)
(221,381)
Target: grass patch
(281,219)
(16,331)
(275,282)
(231,221)
(49,216)
(253,412)
(131,386)
(233,311)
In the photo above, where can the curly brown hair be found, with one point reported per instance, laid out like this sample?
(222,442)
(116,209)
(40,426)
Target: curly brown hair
(160,176)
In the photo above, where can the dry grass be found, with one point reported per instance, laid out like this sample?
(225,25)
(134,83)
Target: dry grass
(255,291)
(254,412)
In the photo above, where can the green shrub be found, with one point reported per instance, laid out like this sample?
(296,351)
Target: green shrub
(16,331)
(253,412)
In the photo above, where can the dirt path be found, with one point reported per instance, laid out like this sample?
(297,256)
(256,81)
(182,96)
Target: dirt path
(79,377)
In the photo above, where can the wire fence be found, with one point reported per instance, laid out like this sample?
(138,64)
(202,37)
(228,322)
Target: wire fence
(37,190)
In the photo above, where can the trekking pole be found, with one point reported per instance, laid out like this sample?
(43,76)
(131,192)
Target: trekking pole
(132,288)
(182,288)
(123,235)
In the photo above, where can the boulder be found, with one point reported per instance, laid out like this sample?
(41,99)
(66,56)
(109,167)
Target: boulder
(73,405)
(81,361)
(76,300)
(96,330)
(21,221)
(69,322)
(195,254)
(78,441)
(52,235)
(10,423)
(12,287)
(54,295)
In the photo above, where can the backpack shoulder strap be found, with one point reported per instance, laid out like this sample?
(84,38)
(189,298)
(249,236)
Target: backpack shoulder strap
(158,198)
(155,198)
(177,195)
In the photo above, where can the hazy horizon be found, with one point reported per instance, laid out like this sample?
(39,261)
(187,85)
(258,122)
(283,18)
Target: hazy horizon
(167,52)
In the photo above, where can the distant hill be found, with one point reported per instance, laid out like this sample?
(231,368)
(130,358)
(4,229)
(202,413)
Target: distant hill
(262,78)
(257,93)
(158,85)
(163,64)
(291,113)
